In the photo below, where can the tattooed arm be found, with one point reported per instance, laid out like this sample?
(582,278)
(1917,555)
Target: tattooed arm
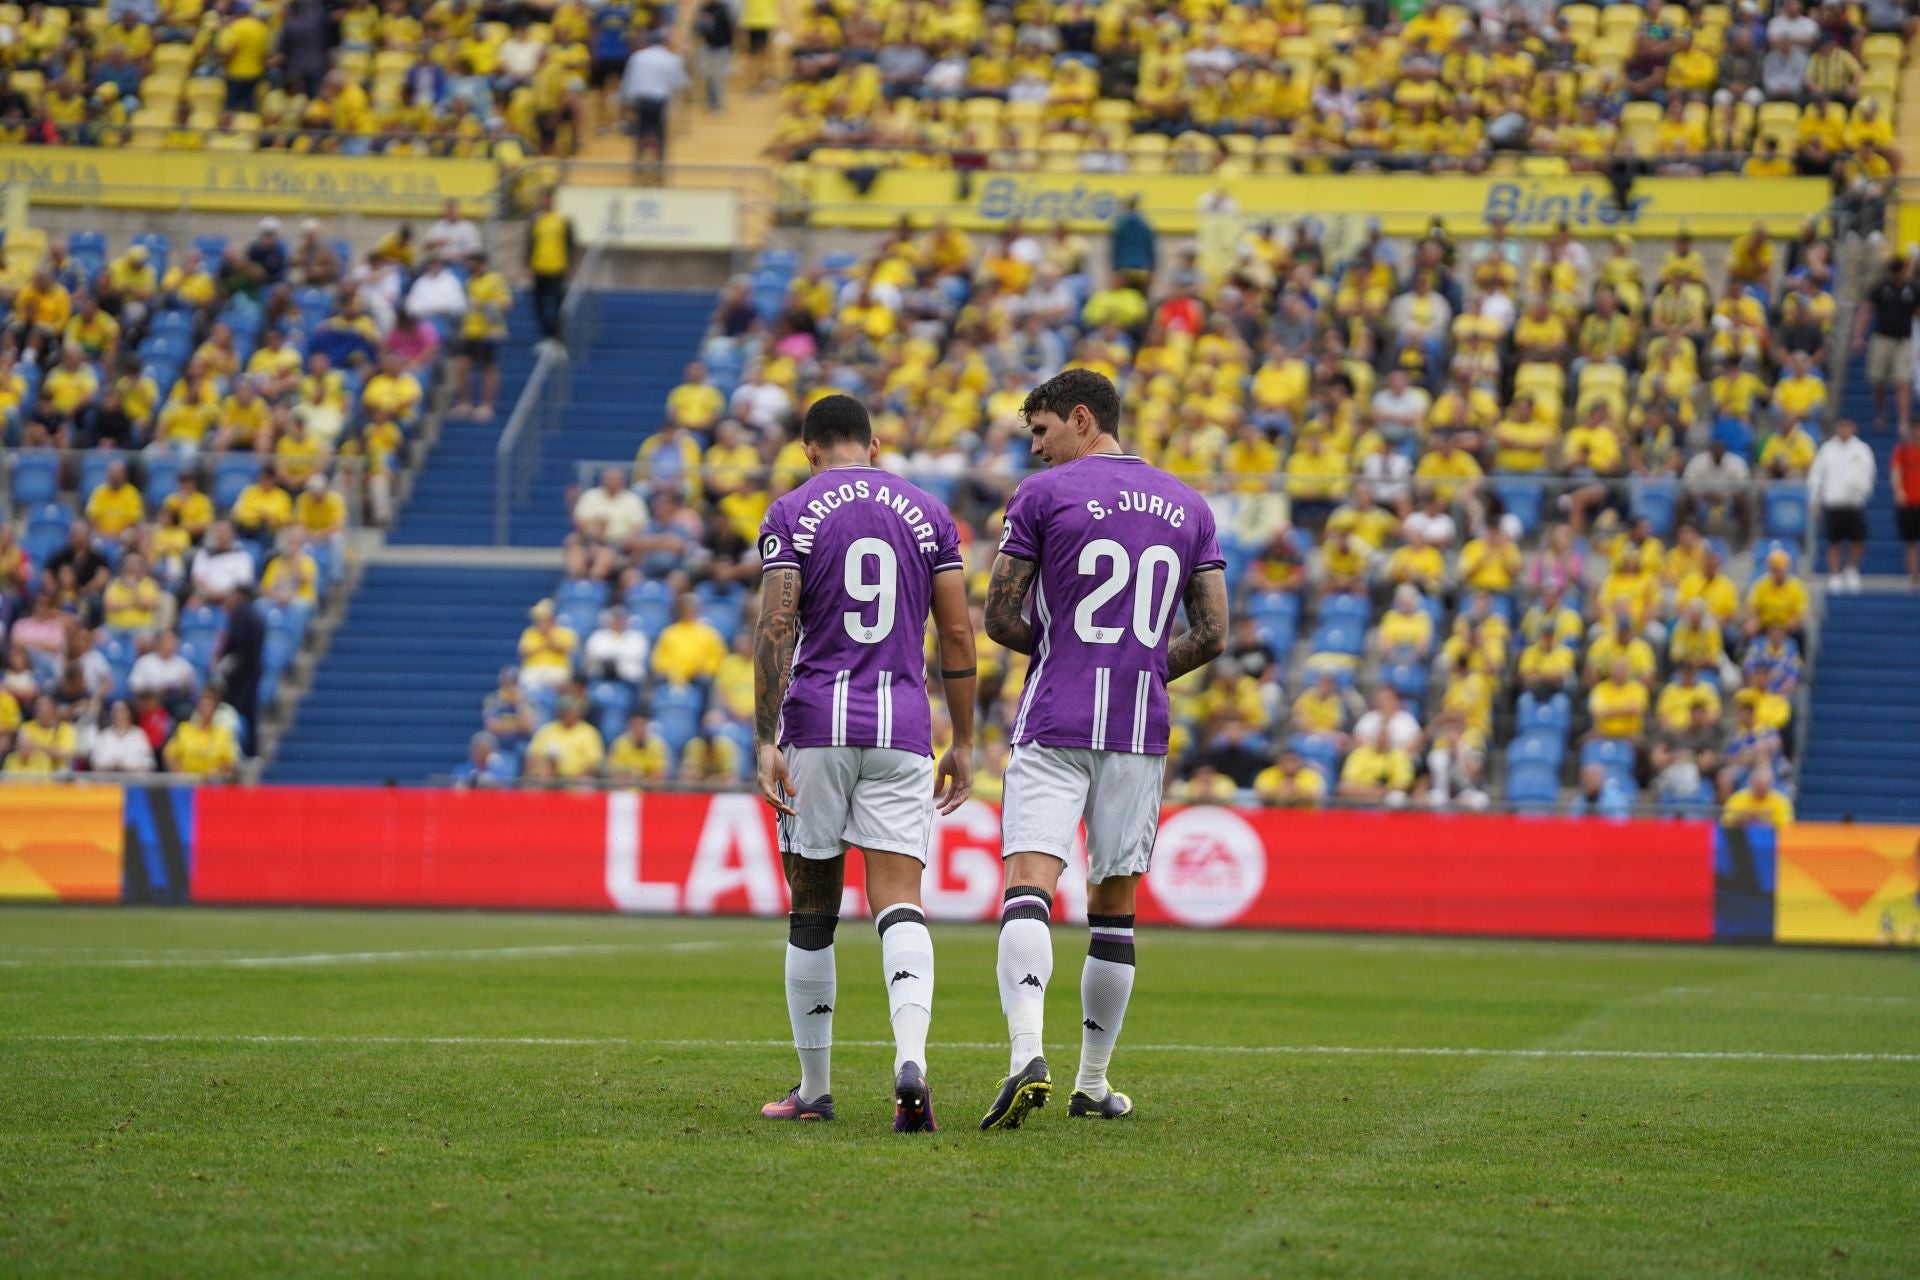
(773,644)
(1006,593)
(1206,634)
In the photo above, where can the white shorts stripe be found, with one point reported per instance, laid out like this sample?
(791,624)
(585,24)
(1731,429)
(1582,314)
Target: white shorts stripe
(1140,688)
(883,711)
(1102,685)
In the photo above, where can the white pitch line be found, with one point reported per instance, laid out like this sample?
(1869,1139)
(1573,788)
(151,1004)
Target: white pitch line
(325,958)
(1283,1050)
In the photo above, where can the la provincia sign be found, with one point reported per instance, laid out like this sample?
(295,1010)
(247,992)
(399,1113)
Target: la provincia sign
(652,217)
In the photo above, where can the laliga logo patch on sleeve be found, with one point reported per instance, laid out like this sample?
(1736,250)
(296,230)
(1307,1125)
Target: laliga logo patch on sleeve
(770,546)
(1006,531)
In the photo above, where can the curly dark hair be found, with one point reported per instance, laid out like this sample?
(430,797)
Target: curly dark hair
(1060,393)
(835,420)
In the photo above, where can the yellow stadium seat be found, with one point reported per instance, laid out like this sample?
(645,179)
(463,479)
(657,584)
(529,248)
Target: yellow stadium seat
(354,64)
(1276,153)
(12,14)
(1621,22)
(1878,51)
(1546,383)
(164,101)
(206,93)
(150,126)
(1194,152)
(390,62)
(1060,153)
(1785,114)
(1298,50)
(1023,115)
(1639,125)
(1240,145)
(1600,379)
(29,85)
(1609,53)
(494,32)
(1675,18)
(1695,113)
(58,17)
(1716,16)
(202,118)
(1581,22)
(157,85)
(174,61)
(1114,112)
(1147,153)
(94,19)
(1545,166)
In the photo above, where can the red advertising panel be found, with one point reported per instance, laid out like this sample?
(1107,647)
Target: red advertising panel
(706,855)
(347,846)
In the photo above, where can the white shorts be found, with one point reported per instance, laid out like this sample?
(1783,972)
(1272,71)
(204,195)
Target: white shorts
(872,798)
(1049,790)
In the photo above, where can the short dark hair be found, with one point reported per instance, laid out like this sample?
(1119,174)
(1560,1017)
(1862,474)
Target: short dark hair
(1059,394)
(837,420)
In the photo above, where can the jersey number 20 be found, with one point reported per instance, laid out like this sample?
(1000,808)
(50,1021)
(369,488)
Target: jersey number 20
(878,586)
(1149,616)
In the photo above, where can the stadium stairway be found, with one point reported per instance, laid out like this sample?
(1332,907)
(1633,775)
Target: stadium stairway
(398,693)
(1862,754)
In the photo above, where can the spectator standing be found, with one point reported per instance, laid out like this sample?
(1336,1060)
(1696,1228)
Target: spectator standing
(1906,500)
(714,25)
(1885,333)
(303,46)
(240,651)
(1134,251)
(760,17)
(653,75)
(550,261)
(481,332)
(246,43)
(1841,484)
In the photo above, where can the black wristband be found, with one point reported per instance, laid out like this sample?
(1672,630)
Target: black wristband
(965,674)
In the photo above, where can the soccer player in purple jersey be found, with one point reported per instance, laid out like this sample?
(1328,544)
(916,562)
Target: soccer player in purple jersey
(851,562)
(1095,552)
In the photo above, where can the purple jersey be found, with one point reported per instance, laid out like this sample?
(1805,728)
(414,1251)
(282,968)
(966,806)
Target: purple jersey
(867,545)
(1116,541)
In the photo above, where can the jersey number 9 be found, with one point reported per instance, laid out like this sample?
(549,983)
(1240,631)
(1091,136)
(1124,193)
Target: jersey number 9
(878,586)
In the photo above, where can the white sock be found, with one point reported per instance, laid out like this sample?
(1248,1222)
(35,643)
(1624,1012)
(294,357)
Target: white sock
(1026,965)
(810,997)
(1105,984)
(906,966)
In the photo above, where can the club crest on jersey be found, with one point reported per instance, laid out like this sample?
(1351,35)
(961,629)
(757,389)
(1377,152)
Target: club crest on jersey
(770,546)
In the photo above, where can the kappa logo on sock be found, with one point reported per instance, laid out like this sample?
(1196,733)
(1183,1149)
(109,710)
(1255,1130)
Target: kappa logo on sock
(1029,981)
(902,974)
(820,1008)
(1091,1025)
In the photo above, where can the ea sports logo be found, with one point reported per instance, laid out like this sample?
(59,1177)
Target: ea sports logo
(1208,866)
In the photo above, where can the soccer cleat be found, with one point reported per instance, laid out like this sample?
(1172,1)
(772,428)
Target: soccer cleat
(1019,1094)
(794,1107)
(1111,1107)
(912,1101)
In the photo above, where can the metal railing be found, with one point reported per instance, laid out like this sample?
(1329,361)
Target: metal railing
(543,402)
(74,468)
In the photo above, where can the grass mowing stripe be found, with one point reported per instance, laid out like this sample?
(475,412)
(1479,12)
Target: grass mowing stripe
(318,959)
(1313,1050)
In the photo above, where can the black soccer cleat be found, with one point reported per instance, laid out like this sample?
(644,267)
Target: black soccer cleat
(1019,1094)
(1111,1107)
(912,1101)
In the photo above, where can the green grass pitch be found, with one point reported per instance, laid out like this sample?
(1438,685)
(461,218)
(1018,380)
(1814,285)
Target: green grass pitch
(226,1093)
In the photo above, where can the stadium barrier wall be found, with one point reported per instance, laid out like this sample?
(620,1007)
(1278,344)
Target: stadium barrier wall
(1215,867)
(248,181)
(1405,203)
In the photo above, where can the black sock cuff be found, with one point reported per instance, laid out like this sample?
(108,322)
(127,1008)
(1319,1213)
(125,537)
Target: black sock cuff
(1110,938)
(900,913)
(1025,902)
(811,930)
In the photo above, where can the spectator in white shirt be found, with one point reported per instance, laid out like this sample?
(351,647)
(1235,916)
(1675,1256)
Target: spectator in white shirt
(1841,485)
(166,675)
(1399,408)
(764,406)
(222,565)
(438,294)
(653,75)
(520,53)
(122,746)
(1717,480)
(1387,715)
(616,651)
(452,235)
(608,519)
(1793,26)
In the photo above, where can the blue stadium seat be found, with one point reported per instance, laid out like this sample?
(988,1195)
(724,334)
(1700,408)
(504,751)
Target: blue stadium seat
(278,650)
(722,612)
(93,242)
(1655,501)
(214,249)
(590,592)
(1555,713)
(1521,498)
(839,262)
(676,712)
(582,618)
(1764,549)
(163,477)
(230,476)
(93,468)
(1347,610)
(1408,679)
(612,702)
(1337,638)
(1275,609)
(1540,745)
(159,249)
(1337,665)
(198,652)
(1783,510)
(36,477)
(1530,782)
(651,604)
(1613,753)
(46,530)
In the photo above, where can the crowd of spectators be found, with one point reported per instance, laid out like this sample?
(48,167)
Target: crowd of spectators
(188,424)
(1768,89)
(358,77)
(1483,502)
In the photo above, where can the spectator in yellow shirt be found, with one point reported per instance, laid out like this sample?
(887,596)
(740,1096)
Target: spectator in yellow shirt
(392,390)
(131,601)
(96,333)
(546,649)
(1619,642)
(115,505)
(1291,784)
(1711,585)
(274,367)
(688,648)
(1416,562)
(1788,454)
(42,308)
(1491,563)
(567,749)
(1451,470)
(481,332)
(66,397)
(1799,394)
(1618,705)
(1758,804)
(293,575)
(190,507)
(47,740)
(203,746)
(244,417)
(1316,480)
(1377,772)
(1681,696)
(696,403)
(246,43)
(297,454)
(1778,599)
(638,755)
(1405,633)
(1546,666)
(1696,639)
(320,512)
